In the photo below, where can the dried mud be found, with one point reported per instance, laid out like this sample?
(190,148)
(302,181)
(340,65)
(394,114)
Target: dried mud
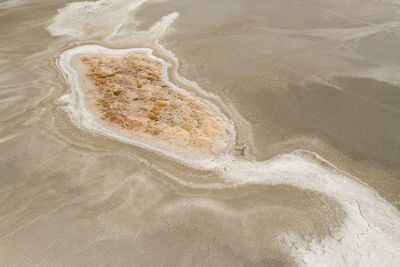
(129,94)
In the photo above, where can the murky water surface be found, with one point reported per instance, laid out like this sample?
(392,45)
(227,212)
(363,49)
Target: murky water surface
(311,87)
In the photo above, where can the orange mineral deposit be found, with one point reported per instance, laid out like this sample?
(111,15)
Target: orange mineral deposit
(129,94)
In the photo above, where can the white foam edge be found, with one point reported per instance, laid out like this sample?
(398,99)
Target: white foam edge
(80,114)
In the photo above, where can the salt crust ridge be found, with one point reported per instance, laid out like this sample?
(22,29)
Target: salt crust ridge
(82,116)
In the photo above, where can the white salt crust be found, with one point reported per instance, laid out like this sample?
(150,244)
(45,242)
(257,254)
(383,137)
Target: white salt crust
(81,115)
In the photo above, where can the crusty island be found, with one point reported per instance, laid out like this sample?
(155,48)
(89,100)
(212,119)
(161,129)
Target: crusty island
(129,94)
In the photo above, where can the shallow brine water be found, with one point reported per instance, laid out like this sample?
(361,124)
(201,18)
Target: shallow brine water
(309,174)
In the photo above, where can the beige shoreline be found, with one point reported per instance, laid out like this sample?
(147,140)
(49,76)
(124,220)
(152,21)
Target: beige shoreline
(128,94)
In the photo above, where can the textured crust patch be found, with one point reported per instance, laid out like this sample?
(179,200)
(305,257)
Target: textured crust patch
(128,92)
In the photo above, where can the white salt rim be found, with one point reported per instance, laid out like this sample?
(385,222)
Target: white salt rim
(82,116)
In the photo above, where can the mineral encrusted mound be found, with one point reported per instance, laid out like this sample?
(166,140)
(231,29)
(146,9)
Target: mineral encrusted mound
(129,94)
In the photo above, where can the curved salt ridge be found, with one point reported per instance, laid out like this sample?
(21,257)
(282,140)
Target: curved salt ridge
(370,234)
(80,113)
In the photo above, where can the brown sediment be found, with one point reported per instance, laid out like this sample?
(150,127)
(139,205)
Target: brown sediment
(129,94)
